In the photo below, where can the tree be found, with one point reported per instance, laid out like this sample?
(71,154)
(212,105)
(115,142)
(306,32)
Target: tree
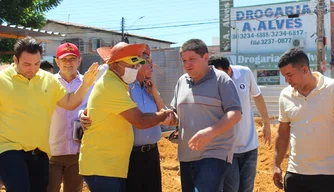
(28,13)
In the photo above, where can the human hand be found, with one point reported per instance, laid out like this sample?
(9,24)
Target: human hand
(277,177)
(85,120)
(200,139)
(90,75)
(150,86)
(266,133)
(171,120)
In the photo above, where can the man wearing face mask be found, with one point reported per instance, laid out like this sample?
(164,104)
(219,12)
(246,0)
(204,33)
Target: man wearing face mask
(107,143)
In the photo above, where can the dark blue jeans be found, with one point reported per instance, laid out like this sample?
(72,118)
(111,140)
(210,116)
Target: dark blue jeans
(204,175)
(105,184)
(240,178)
(24,171)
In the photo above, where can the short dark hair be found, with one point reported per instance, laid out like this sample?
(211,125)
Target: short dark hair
(294,56)
(196,45)
(219,62)
(46,65)
(27,44)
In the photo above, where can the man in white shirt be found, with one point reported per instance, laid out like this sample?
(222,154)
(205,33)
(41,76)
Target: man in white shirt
(240,178)
(63,164)
(306,115)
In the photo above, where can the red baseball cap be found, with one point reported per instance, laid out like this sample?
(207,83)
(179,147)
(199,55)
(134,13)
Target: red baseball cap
(67,49)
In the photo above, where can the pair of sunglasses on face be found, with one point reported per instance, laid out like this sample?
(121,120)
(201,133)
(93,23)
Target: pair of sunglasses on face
(132,60)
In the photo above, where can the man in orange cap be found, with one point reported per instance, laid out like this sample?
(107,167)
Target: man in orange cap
(107,143)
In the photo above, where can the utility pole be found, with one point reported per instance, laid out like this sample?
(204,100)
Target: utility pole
(123,36)
(320,35)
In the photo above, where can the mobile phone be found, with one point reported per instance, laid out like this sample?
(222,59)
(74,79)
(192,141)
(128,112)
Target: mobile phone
(77,130)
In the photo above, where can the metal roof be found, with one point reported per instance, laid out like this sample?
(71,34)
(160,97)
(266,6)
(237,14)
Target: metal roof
(15,31)
(105,30)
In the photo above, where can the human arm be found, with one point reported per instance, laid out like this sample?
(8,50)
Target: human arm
(142,120)
(204,136)
(281,147)
(72,100)
(262,108)
(152,89)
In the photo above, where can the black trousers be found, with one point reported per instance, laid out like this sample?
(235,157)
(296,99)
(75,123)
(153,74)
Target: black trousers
(144,173)
(24,171)
(294,182)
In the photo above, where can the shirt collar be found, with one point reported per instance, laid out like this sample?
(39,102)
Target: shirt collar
(236,73)
(12,72)
(209,75)
(79,77)
(320,84)
(111,74)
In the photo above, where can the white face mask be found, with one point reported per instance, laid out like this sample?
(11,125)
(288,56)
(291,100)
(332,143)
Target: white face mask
(130,75)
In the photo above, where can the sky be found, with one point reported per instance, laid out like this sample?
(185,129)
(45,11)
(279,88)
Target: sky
(171,20)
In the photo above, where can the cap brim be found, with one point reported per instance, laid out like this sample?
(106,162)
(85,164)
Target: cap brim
(66,54)
(129,50)
(104,53)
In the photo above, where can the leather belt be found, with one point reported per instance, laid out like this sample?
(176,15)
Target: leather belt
(144,148)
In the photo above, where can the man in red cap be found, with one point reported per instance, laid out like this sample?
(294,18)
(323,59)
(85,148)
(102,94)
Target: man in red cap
(108,142)
(29,97)
(63,164)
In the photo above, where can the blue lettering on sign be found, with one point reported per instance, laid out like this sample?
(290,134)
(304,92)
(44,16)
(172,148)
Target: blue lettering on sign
(262,26)
(247,27)
(258,14)
(289,23)
(270,25)
(277,12)
(268,12)
(306,10)
(298,23)
(240,15)
(280,24)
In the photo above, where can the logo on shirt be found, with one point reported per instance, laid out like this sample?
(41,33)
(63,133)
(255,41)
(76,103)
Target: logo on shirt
(242,86)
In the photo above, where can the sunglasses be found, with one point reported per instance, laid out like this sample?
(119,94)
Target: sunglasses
(132,60)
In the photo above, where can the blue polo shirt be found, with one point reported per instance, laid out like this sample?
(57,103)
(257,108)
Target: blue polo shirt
(146,104)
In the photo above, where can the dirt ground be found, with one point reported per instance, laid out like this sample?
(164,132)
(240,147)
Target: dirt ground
(263,180)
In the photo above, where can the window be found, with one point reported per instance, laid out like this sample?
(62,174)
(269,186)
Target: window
(268,77)
(96,43)
(76,41)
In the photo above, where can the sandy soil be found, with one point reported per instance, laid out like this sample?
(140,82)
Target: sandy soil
(263,181)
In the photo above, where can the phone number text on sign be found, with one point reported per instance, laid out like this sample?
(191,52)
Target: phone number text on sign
(268,34)
(270,41)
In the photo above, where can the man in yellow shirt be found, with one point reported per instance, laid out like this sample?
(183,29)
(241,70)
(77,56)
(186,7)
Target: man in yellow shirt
(107,143)
(28,98)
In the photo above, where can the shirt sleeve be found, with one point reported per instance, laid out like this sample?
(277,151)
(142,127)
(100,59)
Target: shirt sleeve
(173,103)
(228,94)
(282,114)
(254,89)
(60,90)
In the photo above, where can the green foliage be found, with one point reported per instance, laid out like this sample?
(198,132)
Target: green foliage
(28,13)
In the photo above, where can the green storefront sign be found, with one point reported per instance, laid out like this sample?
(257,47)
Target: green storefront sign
(269,60)
(225,24)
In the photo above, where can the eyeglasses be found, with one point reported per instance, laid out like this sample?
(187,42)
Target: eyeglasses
(132,60)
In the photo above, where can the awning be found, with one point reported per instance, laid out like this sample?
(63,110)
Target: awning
(18,32)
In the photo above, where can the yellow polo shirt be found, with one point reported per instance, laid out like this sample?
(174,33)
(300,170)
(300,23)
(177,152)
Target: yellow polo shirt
(107,144)
(26,108)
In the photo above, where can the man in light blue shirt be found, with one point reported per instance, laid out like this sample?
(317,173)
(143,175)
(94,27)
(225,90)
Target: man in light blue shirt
(144,169)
